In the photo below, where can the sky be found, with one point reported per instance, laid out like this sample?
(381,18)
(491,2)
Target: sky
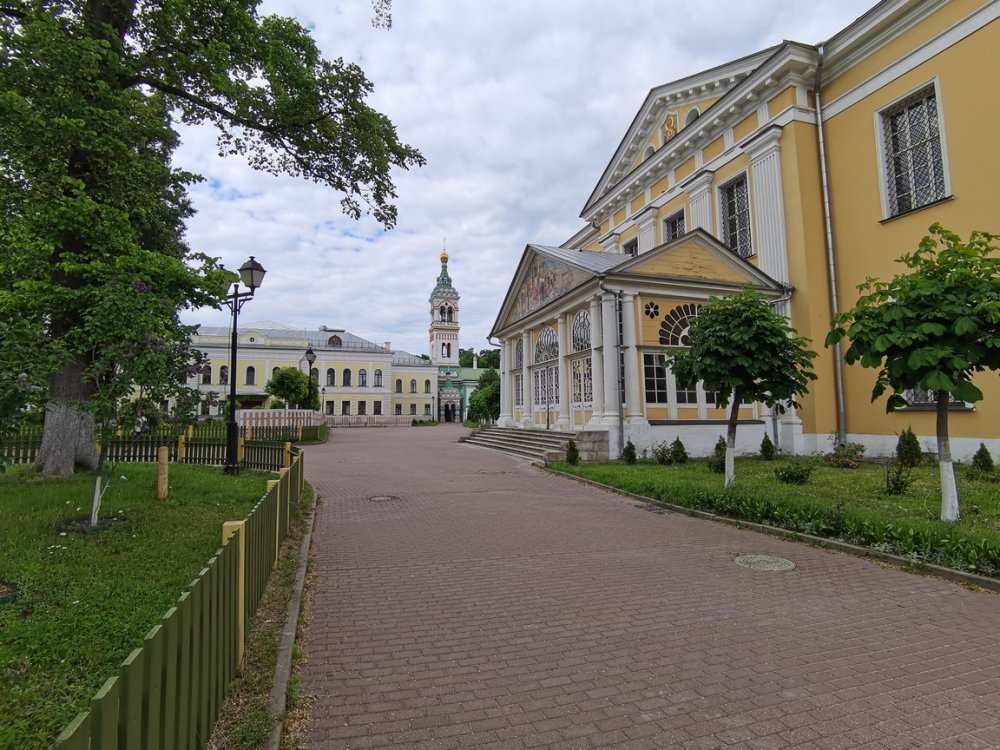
(517,106)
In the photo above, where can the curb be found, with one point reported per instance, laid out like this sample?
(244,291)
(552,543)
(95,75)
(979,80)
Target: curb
(956,576)
(283,669)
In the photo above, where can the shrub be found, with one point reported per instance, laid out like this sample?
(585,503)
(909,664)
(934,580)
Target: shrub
(678,453)
(908,453)
(277,403)
(572,453)
(797,473)
(717,461)
(983,469)
(628,453)
(846,455)
(767,449)
(661,454)
(897,476)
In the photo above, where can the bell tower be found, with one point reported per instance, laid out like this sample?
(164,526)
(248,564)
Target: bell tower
(443,331)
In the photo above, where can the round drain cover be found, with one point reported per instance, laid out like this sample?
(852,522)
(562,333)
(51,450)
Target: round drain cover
(764,562)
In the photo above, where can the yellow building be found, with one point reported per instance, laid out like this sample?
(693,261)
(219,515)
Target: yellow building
(801,169)
(355,377)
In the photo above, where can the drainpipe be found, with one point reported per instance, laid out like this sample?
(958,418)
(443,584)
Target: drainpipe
(838,363)
(618,360)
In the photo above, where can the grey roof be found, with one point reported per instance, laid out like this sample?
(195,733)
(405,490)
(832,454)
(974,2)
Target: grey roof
(401,358)
(585,259)
(315,339)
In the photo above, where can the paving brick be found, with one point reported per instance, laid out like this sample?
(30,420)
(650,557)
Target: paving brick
(495,605)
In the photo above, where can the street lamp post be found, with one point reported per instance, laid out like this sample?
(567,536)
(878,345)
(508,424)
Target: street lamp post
(310,358)
(322,406)
(251,274)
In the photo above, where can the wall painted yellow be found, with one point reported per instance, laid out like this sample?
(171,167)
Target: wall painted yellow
(745,127)
(778,104)
(713,149)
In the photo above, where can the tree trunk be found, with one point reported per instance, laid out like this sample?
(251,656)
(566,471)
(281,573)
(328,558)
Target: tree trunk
(68,434)
(734,415)
(949,487)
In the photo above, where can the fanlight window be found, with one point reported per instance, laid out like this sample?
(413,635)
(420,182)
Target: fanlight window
(334,341)
(676,325)
(547,346)
(581,331)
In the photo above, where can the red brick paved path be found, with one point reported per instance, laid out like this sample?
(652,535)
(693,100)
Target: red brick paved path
(493,605)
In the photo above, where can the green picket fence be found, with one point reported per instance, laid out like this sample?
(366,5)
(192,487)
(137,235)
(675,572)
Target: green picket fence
(168,693)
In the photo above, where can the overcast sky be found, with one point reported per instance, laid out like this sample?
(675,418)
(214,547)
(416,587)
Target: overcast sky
(517,106)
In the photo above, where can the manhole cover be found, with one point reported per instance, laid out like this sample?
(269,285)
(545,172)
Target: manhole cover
(492,473)
(764,562)
(383,498)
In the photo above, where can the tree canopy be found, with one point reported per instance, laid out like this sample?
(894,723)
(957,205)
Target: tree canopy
(91,96)
(744,351)
(932,329)
(484,403)
(291,385)
(486,358)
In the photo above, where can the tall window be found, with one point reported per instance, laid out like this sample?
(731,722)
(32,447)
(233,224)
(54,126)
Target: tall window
(581,331)
(224,375)
(377,408)
(331,376)
(413,408)
(631,247)
(519,389)
(519,354)
(427,386)
(362,408)
(362,379)
(346,379)
(399,385)
(734,215)
(206,375)
(914,165)
(345,408)
(377,379)
(251,376)
(655,376)
(673,226)
(547,346)
(413,385)
(399,409)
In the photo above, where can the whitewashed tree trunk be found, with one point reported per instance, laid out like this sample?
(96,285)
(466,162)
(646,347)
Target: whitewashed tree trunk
(734,415)
(949,487)
(95,506)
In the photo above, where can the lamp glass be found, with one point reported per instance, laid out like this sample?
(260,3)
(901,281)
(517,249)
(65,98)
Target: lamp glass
(252,274)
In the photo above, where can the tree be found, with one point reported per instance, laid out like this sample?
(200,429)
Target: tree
(289,384)
(744,351)
(930,329)
(93,92)
(486,358)
(484,404)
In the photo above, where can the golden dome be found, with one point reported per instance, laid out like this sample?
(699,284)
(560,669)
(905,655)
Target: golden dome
(444,256)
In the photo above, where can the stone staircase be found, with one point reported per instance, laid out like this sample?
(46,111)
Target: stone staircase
(537,445)
(542,445)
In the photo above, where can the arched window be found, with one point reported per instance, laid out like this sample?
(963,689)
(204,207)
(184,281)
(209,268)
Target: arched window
(346,380)
(547,346)
(206,375)
(399,385)
(377,379)
(413,385)
(450,313)
(677,324)
(334,341)
(650,150)
(427,386)
(692,115)
(581,331)
(362,378)
(519,354)
(224,375)
(331,376)
(251,376)
(314,375)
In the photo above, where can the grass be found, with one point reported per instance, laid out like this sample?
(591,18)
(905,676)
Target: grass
(244,723)
(87,599)
(839,503)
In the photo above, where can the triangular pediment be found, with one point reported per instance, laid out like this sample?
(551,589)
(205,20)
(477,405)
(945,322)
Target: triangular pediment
(697,257)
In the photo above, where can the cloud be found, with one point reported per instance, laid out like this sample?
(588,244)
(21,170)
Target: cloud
(517,106)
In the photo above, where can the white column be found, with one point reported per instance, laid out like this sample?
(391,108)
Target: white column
(765,166)
(609,325)
(527,396)
(700,194)
(506,384)
(562,327)
(647,229)
(631,360)
(596,361)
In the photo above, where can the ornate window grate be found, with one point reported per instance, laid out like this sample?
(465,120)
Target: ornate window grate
(913,161)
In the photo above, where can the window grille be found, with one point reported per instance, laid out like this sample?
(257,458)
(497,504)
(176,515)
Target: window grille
(734,216)
(673,226)
(913,160)
(581,331)
(519,354)
(547,346)
(655,376)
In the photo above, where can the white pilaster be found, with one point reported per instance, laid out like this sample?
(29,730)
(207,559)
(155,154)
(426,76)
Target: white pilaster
(609,326)
(527,395)
(765,166)
(700,194)
(609,242)
(647,229)
(562,328)
(596,361)
(631,360)
(506,384)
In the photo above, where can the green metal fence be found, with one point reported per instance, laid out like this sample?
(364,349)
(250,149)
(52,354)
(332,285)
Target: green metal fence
(168,693)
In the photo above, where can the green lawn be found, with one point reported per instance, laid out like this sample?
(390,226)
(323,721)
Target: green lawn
(848,504)
(86,600)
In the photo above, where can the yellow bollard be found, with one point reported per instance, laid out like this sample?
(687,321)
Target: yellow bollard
(162,458)
(181,449)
